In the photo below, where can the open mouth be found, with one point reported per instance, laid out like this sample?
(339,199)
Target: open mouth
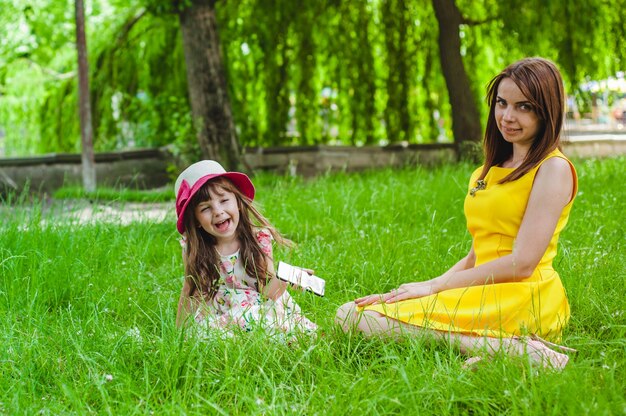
(510,130)
(222,226)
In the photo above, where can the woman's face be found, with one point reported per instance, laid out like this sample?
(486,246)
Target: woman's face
(515,116)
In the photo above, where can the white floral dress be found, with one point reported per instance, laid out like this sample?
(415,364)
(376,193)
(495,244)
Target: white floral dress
(238,303)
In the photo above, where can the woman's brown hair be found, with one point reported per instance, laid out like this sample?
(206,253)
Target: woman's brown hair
(200,255)
(541,83)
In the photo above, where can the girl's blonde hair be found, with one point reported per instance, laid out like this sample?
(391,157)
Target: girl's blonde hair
(200,256)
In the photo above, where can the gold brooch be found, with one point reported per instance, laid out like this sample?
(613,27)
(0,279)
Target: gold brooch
(480,185)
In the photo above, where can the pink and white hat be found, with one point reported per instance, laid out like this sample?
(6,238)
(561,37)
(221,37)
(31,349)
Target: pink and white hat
(195,176)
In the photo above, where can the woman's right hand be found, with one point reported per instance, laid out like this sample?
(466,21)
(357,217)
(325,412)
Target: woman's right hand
(404,292)
(369,300)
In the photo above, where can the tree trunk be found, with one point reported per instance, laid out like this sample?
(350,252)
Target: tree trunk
(86,129)
(465,114)
(206,80)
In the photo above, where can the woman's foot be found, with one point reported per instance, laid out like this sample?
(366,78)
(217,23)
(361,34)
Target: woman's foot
(472,363)
(541,354)
(539,351)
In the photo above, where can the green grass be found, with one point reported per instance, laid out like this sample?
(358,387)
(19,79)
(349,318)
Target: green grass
(87,312)
(116,194)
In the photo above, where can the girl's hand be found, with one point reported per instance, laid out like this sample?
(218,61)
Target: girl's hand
(310,272)
(404,292)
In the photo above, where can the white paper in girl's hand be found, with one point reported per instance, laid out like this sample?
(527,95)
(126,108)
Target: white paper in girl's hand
(297,276)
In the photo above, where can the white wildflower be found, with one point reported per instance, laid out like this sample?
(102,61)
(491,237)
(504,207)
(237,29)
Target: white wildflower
(135,334)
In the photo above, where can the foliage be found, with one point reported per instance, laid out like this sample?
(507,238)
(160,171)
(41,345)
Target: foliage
(570,33)
(299,73)
(94,331)
(137,76)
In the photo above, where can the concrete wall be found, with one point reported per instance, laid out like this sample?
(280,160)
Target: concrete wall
(600,146)
(312,160)
(147,168)
(136,168)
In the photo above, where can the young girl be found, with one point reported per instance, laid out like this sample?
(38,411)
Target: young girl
(505,293)
(227,251)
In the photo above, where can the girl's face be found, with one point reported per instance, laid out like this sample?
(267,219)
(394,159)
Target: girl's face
(515,116)
(219,215)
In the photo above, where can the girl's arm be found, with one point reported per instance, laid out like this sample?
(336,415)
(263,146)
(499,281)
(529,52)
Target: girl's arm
(551,192)
(274,287)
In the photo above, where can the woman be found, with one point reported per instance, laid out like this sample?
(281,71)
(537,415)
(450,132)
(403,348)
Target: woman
(504,294)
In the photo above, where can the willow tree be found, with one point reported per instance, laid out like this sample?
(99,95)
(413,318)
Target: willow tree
(283,72)
(397,23)
(584,38)
(466,124)
(277,18)
(356,52)
(206,78)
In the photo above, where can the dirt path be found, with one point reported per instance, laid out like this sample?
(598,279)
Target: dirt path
(122,213)
(85,212)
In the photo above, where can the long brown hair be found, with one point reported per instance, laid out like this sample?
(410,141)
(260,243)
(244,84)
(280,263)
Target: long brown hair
(200,255)
(541,83)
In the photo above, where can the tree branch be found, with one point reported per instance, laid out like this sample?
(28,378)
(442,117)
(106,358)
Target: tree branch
(51,72)
(128,26)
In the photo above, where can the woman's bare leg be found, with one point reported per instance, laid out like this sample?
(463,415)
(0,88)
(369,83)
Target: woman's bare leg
(372,323)
(515,346)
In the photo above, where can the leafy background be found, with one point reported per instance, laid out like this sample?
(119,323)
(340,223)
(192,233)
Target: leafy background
(299,73)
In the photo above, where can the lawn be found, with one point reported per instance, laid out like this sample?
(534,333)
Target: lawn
(87,310)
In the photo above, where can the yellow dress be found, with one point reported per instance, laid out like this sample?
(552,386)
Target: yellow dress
(535,305)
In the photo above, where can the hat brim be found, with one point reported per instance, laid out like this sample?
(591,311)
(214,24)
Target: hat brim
(240,180)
